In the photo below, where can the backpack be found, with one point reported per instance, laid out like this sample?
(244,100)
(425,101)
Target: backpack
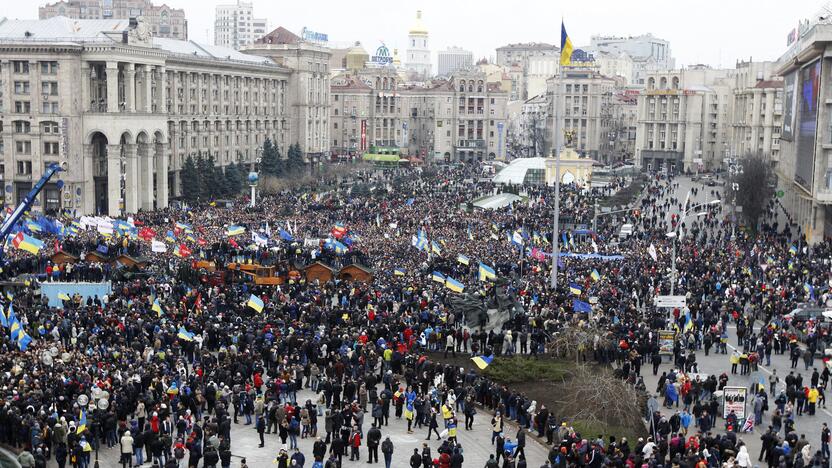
(179,453)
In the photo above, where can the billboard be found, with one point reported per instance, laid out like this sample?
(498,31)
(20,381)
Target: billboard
(789,106)
(807,115)
(733,399)
(363,135)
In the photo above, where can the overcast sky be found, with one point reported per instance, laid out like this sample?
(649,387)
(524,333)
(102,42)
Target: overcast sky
(715,32)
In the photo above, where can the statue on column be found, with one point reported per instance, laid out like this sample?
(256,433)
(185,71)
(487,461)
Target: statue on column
(568,137)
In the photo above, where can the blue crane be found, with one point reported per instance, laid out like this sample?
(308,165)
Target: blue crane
(24,205)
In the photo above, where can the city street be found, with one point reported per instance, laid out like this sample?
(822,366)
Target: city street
(476,443)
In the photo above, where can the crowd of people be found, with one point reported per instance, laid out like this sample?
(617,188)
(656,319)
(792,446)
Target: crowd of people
(176,355)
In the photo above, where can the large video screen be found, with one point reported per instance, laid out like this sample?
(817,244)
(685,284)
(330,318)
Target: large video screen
(789,104)
(808,121)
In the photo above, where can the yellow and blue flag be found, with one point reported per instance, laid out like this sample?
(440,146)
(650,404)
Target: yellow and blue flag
(27,243)
(82,422)
(565,47)
(399,272)
(255,303)
(4,320)
(234,230)
(486,272)
(63,296)
(23,341)
(462,259)
(454,285)
(438,277)
(14,329)
(575,289)
(435,248)
(157,307)
(482,361)
(688,322)
(595,275)
(793,249)
(184,334)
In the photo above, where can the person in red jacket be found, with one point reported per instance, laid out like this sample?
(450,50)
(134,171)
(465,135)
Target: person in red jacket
(444,460)
(355,443)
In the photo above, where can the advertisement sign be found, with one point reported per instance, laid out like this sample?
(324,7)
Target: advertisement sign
(500,140)
(312,36)
(733,399)
(382,56)
(807,100)
(789,106)
(363,135)
(666,338)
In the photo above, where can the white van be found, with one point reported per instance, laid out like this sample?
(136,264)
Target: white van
(625,232)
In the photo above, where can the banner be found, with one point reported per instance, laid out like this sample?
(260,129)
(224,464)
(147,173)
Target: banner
(733,399)
(158,247)
(666,338)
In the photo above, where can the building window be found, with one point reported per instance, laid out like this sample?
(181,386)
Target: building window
(50,127)
(50,148)
(24,167)
(21,87)
(48,68)
(22,126)
(49,107)
(23,147)
(22,107)
(20,66)
(49,88)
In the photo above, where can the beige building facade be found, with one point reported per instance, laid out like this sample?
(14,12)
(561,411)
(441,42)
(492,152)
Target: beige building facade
(124,109)
(163,20)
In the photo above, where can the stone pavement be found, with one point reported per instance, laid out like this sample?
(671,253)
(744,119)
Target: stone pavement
(475,443)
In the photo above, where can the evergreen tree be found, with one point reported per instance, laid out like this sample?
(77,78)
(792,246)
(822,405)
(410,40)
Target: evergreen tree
(188,176)
(295,161)
(233,180)
(269,159)
(203,177)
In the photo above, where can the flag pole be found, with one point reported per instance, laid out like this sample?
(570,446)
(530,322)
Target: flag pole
(556,214)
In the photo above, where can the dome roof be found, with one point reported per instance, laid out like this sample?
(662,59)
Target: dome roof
(418,27)
(357,49)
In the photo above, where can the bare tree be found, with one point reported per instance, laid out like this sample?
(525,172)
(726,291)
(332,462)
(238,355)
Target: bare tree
(597,397)
(575,340)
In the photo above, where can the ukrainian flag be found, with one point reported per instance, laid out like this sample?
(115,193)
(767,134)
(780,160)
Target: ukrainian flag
(170,237)
(434,247)
(462,259)
(234,230)
(486,272)
(438,277)
(793,249)
(688,322)
(4,320)
(255,303)
(157,307)
(63,296)
(27,243)
(482,361)
(575,289)
(595,275)
(15,329)
(565,47)
(454,285)
(184,334)
(82,422)
(399,272)
(23,341)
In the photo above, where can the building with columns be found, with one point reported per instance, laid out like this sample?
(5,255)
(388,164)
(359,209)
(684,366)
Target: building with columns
(460,119)
(163,20)
(758,111)
(123,109)
(307,96)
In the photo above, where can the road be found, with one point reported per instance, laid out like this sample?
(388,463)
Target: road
(718,363)
(475,443)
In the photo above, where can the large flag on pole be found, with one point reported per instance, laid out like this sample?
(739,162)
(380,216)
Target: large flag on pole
(565,47)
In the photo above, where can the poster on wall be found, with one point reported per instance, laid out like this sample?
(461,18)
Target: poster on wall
(807,116)
(789,106)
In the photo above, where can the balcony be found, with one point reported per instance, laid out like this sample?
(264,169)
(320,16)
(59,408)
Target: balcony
(824,196)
